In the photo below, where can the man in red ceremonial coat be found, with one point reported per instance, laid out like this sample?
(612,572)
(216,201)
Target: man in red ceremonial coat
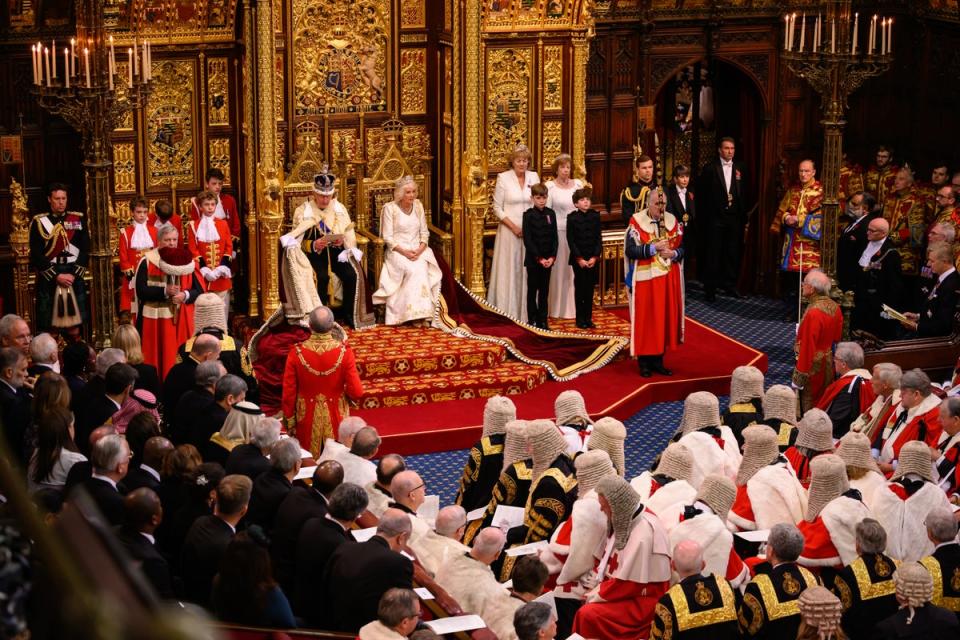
(917,417)
(820,328)
(939,177)
(946,455)
(655,279)
(225,208)
(879,177)
(319,379)
(851,181)
(904,209)
(799,213)
(167,284)
(851,393)
(635,569)
(209,242)
(138,238)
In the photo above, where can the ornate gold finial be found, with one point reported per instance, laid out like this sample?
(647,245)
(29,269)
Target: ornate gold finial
(20,220)
(393,129)
(339,29)
(474,177)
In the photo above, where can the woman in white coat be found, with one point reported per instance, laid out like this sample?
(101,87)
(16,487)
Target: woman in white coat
(560,199)
(511,197)
(410,277)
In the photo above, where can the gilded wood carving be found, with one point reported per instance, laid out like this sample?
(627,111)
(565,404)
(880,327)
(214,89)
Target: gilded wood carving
(170,124)
(413,81)
(508,101)
(218,94)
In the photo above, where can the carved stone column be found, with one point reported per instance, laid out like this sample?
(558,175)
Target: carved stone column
(249,160)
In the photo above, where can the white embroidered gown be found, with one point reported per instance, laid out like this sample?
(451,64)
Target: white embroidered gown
(408,288)
(508,278)
(561,304)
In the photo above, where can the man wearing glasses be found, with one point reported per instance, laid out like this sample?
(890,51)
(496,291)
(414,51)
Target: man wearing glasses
(917,417)
(877,282)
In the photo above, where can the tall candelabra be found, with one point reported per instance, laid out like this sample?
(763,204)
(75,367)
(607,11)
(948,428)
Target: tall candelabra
(837,58)
(86,90)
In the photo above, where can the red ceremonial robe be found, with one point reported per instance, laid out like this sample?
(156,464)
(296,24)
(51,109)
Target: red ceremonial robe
(656,296)
(213,254)
(230,214)
(927,413)
(320,376)
(164,326)
(175,221)
(867,396)
(820,328)
(129,258)
(801,464)
(803,201)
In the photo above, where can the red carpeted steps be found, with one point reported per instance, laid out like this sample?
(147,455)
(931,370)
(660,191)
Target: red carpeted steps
(390,352)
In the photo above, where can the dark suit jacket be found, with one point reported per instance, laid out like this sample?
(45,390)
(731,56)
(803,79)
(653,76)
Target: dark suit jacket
(145,555)
(876,286)
(200,557)
(712,192)
(584,235)
(355,579)
(269,490)
(936,314)
(678,208)
(196,418)
(318,539)
(148,378)
(139,478)
(246,459)
(107,499)
(94,413)
(929,623)
(37,370)
(539,235)
(78,474)
(15,411)
(177,382)
(851,242)
(299,505)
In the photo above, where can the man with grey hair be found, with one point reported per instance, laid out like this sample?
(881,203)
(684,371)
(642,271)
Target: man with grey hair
(253,458)
(777,584)
(15,333)
(944,563)
(272,486)
(444,542)
(917,417)
(397,616)
(348,428)
(946,455)
(820,328)
(885,383)
(451,521)
(718,612)
(317,541)
(358,575)
(15,401)
(321,378)
(850,394)
(877,281)
(355,457)
(44,355)
(535,621)
(468,578)
(865,586)
(938,304)
(110,459)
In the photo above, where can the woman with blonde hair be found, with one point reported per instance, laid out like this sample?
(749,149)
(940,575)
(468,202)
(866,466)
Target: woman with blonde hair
(560,199)
(127,339)
(410,277)
(511,197)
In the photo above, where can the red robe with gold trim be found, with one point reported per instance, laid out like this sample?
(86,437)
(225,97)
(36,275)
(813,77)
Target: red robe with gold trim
(851,181)
(907,216)
(656,298)
(867,396)
(803,201)
(879,182)
(213,254)
(820,328)
(129,258)
(164,326)
(319,377)
(893,439)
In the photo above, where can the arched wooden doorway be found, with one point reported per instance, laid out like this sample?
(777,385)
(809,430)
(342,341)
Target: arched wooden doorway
(702,102)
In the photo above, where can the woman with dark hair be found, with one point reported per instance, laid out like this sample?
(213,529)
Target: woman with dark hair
(198,500)
(244,592)
(56,452)
(175,476)
(79,361)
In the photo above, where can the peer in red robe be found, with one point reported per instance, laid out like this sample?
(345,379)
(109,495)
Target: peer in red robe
(167,285)
(226,208)
(919,421)
(846,398)
(653,251)
(319,378)
(820,328)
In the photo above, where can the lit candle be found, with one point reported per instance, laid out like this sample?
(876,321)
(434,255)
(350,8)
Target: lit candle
(803,29)
(144,60)
(786,32)
(816,35)
(111,66)
(112,60)
(793,28)
(856,26)
(136,61)
(46,63)
(873,34)
(130,68)
(890,36)
(883,37)
(33,61)
(53,54)
(86,64)
(150,61)
(73,57)
(66,67)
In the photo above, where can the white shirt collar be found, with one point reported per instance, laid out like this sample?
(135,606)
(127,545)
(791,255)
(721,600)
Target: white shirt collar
(110,481)
(151,471)
(207,229)
(149,537)
(334,520)
(726,163)
(872,247)
(945,274)
(117,404)
(944,544)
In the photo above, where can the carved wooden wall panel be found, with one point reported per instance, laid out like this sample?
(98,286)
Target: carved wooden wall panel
(171,124)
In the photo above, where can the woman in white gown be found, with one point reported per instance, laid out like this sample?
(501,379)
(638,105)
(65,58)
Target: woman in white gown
(560,199)
(511,197)
(410,278)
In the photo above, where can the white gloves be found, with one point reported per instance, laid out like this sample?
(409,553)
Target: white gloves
(209,274)
(345,255)
(287,241)
(224,271)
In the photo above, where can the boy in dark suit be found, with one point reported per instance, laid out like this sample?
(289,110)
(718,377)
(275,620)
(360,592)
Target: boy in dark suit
(586,245)
(540,244)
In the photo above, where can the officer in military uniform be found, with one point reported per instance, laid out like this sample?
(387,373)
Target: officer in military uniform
(699,607)
(865,586)
(746,400)
(486,456)
(944,564)
(770,606)
(59,251)
(633,197)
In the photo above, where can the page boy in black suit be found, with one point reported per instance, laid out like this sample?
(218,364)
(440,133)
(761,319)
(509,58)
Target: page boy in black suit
(540,244)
